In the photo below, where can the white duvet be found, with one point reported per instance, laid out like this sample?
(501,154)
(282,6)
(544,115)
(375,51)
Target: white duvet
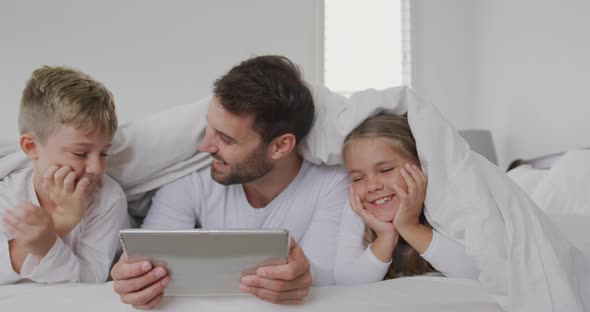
(526,264)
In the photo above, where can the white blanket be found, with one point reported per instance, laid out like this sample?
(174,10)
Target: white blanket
(525,262)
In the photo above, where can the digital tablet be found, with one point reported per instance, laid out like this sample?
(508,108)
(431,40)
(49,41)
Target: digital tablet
(206,262)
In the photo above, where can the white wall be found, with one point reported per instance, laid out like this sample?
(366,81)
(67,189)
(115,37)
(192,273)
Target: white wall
(151,54)
(442,58)
(519,68)
(533,75)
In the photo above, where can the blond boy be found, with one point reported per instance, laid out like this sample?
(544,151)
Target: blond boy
(60,216)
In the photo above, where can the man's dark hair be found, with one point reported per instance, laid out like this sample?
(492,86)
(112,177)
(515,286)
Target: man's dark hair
(270,87)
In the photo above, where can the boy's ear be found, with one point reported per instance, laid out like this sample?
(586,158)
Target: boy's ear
(28,143)
(282,145)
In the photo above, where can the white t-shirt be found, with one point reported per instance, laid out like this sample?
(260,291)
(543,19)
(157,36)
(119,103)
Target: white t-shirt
(83,255)
(356,264)
(309,208)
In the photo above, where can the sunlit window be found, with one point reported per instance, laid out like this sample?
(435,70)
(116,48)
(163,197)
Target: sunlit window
(366,44)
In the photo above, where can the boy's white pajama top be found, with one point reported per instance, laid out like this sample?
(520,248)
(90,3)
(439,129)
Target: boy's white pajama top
(83,255)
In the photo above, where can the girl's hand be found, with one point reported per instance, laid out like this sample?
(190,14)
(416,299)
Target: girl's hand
(412,201)
(387,236)
(382,228)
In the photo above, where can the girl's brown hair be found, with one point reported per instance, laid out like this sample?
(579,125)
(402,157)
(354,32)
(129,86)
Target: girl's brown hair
(406,260)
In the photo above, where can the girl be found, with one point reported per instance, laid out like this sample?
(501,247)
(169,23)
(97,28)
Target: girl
(385,234)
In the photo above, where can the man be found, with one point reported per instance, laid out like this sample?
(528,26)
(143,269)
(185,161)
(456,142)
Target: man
(260,111)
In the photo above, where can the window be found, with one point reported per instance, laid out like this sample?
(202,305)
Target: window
(366,44)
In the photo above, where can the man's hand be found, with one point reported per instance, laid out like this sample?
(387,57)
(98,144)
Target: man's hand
(32,227)
(284,284)
(139,284)
(70,198)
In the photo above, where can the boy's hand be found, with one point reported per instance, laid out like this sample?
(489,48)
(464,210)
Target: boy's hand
(32,227)
(283,284)
(70,198)
(412,201)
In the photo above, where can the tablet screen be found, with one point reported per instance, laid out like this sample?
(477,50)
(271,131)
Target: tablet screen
(206,262)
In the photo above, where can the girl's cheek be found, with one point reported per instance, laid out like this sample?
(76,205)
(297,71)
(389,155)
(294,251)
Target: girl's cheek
(399,180)
(360,191)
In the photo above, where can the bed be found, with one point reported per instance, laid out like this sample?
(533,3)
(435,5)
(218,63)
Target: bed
(559,184)
(408,294)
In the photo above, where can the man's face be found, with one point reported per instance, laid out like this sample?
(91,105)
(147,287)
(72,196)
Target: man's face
(239,156)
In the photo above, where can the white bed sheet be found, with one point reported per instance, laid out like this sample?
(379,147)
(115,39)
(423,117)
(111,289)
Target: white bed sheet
(424,293)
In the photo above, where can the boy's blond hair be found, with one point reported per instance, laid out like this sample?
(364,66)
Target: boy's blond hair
(57,96)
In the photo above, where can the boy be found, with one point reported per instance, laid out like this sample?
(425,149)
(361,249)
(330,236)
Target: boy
(61,215)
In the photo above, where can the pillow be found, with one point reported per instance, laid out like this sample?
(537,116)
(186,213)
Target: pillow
(566,187)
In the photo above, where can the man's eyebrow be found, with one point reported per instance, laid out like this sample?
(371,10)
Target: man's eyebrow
(227,136)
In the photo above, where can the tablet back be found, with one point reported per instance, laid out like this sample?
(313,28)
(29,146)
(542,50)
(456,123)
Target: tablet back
(206,262)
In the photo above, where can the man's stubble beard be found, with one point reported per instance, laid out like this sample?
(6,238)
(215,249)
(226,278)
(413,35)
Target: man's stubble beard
(252,168)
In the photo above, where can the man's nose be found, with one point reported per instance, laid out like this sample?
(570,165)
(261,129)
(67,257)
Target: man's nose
(207,144)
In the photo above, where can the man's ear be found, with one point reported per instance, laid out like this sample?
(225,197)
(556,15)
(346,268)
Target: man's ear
(29,143)
(282,145)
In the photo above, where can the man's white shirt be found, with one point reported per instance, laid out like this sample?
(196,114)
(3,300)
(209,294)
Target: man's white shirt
(309,208)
